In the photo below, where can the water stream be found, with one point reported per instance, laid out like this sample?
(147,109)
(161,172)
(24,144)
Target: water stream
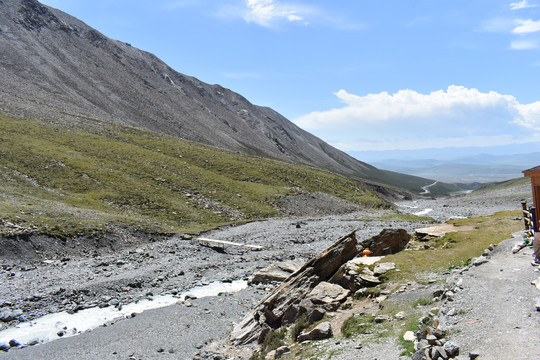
(48,328)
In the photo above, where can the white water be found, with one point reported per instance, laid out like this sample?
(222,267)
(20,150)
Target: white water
(46,328)
(423,212)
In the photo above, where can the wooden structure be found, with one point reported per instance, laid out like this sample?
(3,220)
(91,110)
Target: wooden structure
(222,244)
(534,174)
(529,216)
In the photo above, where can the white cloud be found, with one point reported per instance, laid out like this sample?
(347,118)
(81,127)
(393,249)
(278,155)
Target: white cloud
(521,5)
(498,25)
(410,120)
(266,12)
(523,45)
(526,26)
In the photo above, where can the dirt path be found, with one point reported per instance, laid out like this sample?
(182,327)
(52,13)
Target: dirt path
(496,308)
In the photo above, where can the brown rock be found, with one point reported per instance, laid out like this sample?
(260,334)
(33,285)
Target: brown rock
(389,241)
(321,331)
(284,299)
(276,272)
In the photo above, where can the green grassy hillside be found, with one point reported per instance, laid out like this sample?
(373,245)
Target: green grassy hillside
(62,181)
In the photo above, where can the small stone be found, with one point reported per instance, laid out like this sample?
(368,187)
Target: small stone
(451,349)
(400,315)
(480,260)
(418,355)
(33,342)
(4,347)
(409,336)
(474,354)
(432,339)
(321,331)
(440,353)
(316,315)
(14,343)
(282,350)
(438,293)
(382,318)
(422,344)
(438,333)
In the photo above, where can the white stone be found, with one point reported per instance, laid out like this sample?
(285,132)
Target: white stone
(409,336)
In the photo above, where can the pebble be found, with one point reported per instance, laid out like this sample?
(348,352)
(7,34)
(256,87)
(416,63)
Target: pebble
(14,343)
(480,260)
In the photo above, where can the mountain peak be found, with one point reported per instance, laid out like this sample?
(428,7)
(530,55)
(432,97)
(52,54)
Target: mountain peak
(56,68)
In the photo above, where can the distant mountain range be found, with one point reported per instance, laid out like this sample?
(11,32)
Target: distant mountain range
(55,68)
(477,168)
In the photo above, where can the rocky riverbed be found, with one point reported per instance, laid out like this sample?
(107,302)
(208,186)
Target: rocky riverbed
(101,279)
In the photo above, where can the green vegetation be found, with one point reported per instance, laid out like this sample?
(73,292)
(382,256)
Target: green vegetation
(452,250)
(66,181)
(299,325)
(455,248)
(504,184)
(272,340)
(400,217)
(358,324)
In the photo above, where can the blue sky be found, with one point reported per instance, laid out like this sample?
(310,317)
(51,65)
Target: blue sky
(366,76)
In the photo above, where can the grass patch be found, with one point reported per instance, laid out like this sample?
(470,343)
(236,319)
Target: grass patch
(401,217)
(70,181)
(423,302)
(460,248)
(273,340)
(299,325)
(358,324)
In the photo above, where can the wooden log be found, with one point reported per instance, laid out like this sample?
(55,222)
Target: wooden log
(222,243)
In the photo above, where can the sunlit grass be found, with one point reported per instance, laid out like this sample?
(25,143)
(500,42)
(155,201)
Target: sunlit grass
(82,180)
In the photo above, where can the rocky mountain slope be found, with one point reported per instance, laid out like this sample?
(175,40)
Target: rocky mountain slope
(56,68)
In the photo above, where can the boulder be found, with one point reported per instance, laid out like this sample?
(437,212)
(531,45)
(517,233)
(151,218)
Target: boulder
(276,272)
(327,293)
(315,315)
(383,268)
(320,332)
(480,260)
(389,241)
(286,302)
(451,349)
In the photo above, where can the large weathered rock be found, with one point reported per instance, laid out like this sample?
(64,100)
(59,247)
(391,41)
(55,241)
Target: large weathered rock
(326,293)
(389,241)
(355,274)
(283,305)
(276,272)
(319,332)
(383,268)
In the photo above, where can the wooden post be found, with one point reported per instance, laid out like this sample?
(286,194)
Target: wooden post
(532,210)
(524,206)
